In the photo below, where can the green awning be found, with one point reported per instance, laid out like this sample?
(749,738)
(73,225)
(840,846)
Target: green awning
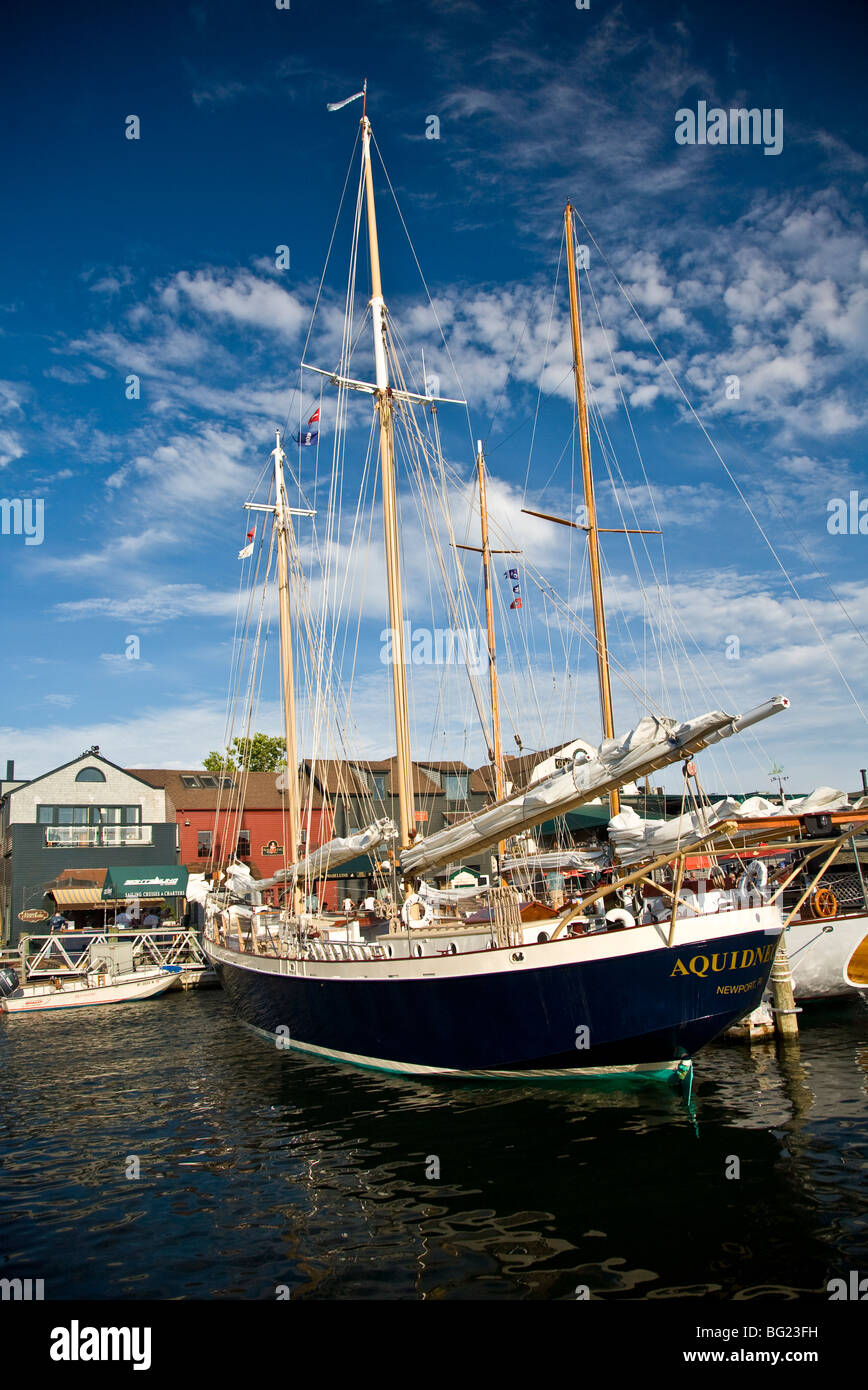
(164,881)
(583,818)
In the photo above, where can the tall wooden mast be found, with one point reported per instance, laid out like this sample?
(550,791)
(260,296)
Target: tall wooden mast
(497,747)
(283,523)
(385,408)
(588,482)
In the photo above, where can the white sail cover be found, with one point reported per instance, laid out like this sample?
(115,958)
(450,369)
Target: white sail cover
(440,896)
(654,743)
(549,861)
(635,839)
(335,852)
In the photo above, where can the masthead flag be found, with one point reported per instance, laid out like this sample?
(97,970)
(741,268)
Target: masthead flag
(336,105)
(248,549)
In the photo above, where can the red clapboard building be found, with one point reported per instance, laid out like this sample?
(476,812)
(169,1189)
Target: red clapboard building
(193,799)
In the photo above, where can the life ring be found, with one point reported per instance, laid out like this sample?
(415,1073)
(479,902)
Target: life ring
(825,903)
(756,875)
(416,900)
(620,917)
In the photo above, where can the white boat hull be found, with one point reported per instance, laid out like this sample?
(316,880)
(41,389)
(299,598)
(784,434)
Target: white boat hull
(81,992)
(820,951)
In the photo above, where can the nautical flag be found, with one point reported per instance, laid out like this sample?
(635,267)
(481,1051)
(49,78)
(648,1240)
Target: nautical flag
(248,549)
(336,105)
(516,587)
(309,436)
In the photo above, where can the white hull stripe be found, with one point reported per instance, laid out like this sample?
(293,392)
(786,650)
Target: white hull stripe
(636,1069)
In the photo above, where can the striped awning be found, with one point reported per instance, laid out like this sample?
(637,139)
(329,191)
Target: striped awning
(77,897)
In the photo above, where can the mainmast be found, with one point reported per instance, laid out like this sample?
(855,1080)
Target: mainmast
(590,504)
(385,407)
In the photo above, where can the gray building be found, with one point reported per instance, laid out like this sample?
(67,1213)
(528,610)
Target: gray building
(88,814)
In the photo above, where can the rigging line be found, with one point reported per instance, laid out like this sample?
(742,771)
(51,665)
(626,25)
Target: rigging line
(501,395)
(671,633)
(733,480)
(424,284)
(794,535)
(544,361)
(325,266)
(234,692)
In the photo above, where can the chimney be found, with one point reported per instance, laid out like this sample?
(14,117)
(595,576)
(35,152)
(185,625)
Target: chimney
(864,772)
(10,771)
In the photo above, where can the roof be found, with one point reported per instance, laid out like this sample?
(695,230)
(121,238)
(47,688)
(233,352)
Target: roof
(82,757)
(339,776)
(262,791)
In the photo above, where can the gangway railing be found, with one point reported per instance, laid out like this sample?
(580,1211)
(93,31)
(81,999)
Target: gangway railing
(70,952)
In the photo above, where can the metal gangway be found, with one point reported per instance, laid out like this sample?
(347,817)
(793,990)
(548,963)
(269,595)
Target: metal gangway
(70,952)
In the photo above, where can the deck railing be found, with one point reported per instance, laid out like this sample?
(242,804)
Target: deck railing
(95,836)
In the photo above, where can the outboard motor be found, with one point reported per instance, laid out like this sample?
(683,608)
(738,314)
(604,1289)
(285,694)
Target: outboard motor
(8,981)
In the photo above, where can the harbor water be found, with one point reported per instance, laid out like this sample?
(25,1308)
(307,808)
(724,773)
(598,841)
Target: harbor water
(162,1151)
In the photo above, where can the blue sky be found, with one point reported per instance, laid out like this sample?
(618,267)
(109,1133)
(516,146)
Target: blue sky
(156,257)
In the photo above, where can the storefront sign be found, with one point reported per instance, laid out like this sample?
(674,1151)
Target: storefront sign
(272,848)
(33,914)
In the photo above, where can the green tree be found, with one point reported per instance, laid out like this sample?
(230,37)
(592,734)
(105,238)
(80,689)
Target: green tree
(261,753)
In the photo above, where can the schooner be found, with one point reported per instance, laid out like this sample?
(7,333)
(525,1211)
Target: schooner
(602,993)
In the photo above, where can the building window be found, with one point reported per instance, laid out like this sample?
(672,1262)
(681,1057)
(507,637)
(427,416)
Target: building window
(189,781)
(203,846)
(243,844)
(90,774)
(377,784)
(88,815)
(455,786)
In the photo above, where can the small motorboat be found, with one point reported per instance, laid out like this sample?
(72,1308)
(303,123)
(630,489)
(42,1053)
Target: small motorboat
(110,976)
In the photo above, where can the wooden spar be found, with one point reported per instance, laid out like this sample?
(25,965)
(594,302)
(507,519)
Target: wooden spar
(588,480)
(497,747)
(824,845)
(283,523)
(814,881)
(678,877)
(390,511)
(725,828)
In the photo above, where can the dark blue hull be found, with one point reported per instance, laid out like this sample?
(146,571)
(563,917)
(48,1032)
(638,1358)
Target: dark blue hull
(657,1006)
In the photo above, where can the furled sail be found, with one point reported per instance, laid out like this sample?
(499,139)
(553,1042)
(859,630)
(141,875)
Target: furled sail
(635,839)
(548,861)
(335,852)
(654,743)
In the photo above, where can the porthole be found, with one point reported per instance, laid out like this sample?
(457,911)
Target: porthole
(542,936)
(453,949)
(417,950)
